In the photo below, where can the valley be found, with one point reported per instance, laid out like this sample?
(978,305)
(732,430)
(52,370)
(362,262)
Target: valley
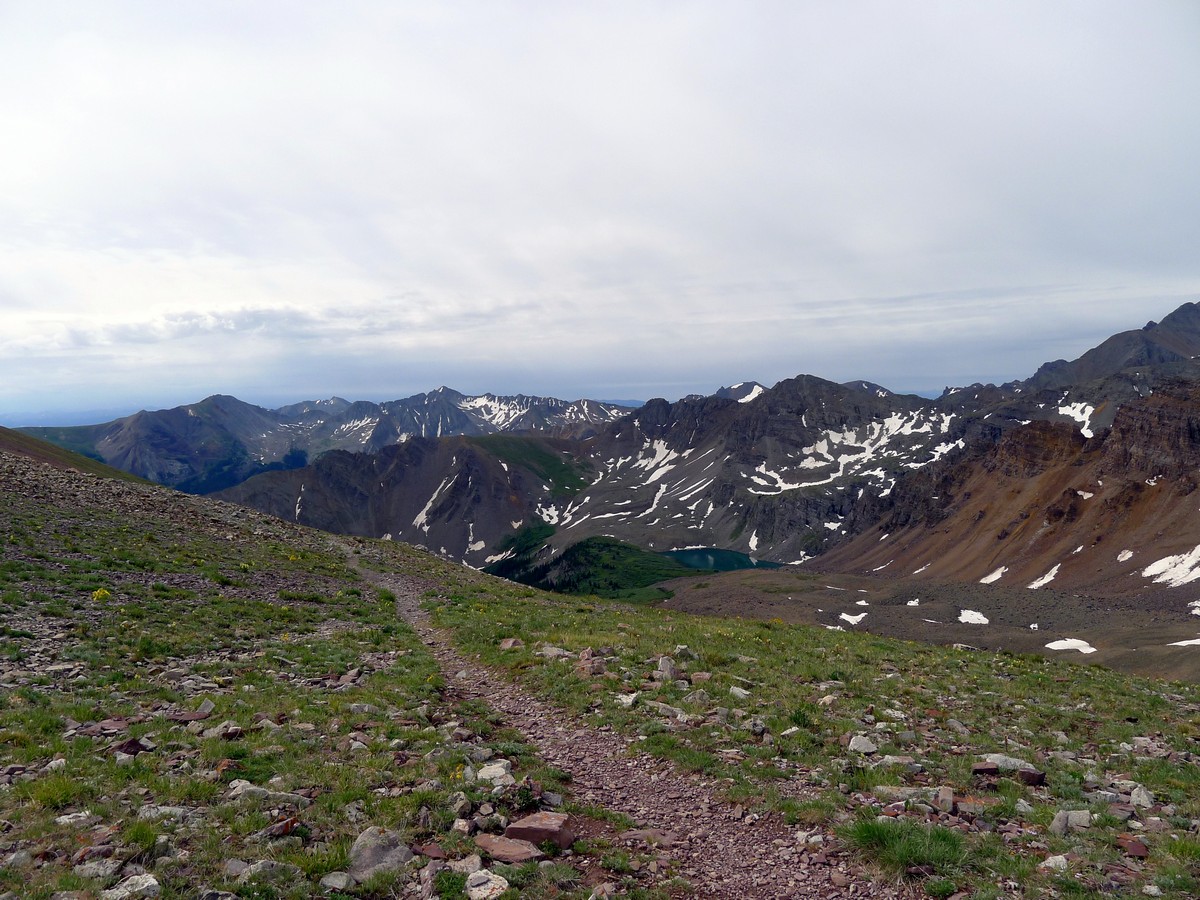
(1064,501)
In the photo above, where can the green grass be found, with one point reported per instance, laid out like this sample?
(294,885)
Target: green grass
(142,597)
(607,568)
(547,459)
(901,845)
(148,596)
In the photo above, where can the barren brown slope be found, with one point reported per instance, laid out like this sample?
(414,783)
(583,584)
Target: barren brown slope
(1101,510)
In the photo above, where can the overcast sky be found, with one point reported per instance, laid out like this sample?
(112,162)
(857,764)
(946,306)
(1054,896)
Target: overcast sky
(291,200)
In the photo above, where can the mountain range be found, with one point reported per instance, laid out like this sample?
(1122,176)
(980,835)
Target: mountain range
(1080,475)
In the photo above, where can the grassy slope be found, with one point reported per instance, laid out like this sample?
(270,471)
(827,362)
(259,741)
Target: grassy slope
(598,565)
(829,684)
(560,471)
(137,603)
(137,593)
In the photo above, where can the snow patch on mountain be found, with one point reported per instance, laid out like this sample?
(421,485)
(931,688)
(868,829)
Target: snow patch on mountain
(1045,579)
(756,391)
(1081,413)
(1175,571)
(994,576)
(1071,644)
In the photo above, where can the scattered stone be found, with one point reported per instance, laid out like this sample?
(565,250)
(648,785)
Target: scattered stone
(498,772)
(240,789)
(466,865)
(739,693)
(860,743)
(1132,846)
(337,881)
(1141,797)
(1031,777)
(76,819)
(1054,864)
(100,869)
(270,871)
(378,850)
(134,887)
(541,827)
(508,850)
(485,885)
(1008,763)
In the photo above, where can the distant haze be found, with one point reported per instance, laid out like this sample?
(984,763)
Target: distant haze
(285,201)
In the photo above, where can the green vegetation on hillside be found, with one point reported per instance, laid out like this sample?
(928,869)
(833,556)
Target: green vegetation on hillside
(125,608)
(608,568)
(520,549)
(602,566)
(159,654)
(934,710)
(565,475)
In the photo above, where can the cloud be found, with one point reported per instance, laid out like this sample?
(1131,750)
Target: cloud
(644,198)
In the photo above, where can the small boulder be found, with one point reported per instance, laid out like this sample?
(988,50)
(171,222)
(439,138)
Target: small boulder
(378,850)
(132,888)
(485,885)
(337,881)
(508,850)
(541,827)
(1141,797)
(860,743)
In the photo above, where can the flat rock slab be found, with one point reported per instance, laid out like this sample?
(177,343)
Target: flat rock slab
(508,850)
(541,827)
(378,850)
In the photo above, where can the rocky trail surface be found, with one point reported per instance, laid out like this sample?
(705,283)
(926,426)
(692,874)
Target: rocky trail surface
(721,850)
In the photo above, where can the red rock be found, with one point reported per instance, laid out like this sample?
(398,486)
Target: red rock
(1132,846)
(508,850)
(132,747)
(1031,777)
(282,828)
(430,851)
(541,827)
(982,769)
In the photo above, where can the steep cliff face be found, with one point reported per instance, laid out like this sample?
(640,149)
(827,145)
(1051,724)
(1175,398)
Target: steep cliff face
(1044,505)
